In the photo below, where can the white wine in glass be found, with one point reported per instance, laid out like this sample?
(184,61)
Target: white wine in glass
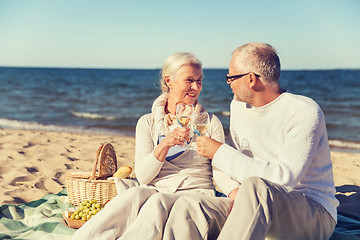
(184,114)
(201,124)
(184,121)
(200,129)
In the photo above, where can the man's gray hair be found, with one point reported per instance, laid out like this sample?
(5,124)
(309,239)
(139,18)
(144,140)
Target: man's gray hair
(261,58)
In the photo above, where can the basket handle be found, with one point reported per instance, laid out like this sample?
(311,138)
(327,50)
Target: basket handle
(96,160)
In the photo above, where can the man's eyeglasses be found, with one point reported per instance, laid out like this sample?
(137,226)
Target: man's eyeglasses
(230,79)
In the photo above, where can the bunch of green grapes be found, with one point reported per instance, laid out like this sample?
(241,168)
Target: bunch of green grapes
(86,210)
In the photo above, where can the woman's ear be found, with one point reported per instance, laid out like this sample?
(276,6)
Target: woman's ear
(168,82)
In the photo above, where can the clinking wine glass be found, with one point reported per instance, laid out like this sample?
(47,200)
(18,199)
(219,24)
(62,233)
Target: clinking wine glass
(184,115)
(200,126)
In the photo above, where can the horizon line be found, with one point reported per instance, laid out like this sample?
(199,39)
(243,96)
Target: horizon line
(135,68)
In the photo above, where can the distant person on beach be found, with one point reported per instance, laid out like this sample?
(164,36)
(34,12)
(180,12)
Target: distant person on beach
(279,153)
(170,174)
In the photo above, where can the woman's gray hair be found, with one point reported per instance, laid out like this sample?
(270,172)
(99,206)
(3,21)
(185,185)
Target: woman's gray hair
(174,63)
(260,58)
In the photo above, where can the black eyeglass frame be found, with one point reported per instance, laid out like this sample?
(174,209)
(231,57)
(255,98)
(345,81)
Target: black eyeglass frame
(230,79)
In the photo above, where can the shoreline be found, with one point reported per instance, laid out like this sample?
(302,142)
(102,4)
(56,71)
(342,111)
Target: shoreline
(34,163)
(336,145)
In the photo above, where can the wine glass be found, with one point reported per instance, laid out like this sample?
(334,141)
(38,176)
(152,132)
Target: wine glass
(184,114)
(200,126)
(201,123)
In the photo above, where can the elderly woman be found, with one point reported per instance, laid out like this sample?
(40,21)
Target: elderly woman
(168,171)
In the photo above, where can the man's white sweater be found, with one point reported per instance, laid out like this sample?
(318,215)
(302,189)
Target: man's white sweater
(284,142)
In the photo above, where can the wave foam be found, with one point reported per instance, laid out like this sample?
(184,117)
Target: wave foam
(92,115)
(344,144)
(17,124)
(225,113)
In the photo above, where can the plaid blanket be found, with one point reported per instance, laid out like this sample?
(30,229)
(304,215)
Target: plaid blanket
(40,219)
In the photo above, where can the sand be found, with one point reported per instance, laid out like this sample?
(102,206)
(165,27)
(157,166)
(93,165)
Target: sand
(34,163)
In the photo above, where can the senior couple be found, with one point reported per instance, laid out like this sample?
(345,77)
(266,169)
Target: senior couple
(276,171)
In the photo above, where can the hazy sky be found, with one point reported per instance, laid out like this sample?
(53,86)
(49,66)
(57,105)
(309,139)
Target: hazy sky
(314,34)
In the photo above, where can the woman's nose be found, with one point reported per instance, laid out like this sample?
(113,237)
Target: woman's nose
(196,86)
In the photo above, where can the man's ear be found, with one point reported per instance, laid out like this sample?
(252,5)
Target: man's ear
(253,80)
(255,83)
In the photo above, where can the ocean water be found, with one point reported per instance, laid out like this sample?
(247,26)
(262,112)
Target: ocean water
(110,101)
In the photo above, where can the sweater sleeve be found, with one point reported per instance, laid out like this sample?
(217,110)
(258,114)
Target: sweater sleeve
(304,136)
(147,166)
(223,181)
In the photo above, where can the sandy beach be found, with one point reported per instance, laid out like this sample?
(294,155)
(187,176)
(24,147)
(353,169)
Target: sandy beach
(34,163)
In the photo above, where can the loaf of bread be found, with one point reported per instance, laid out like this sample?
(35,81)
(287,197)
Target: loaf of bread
(123,172)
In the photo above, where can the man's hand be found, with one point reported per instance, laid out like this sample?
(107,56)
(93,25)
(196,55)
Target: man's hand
(206,146)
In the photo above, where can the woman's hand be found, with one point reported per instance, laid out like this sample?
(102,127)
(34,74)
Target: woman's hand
(178,136)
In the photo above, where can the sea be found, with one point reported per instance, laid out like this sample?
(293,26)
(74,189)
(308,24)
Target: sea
(110,101)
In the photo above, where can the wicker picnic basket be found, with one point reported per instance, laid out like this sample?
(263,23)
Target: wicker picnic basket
(86,186)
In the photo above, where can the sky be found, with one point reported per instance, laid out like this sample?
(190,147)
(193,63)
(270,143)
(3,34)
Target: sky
(320,34)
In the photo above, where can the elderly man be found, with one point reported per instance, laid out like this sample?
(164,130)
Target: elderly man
(278,152)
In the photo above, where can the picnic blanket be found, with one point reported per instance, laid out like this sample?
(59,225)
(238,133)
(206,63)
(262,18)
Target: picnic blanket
(42,219)
(347,227)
